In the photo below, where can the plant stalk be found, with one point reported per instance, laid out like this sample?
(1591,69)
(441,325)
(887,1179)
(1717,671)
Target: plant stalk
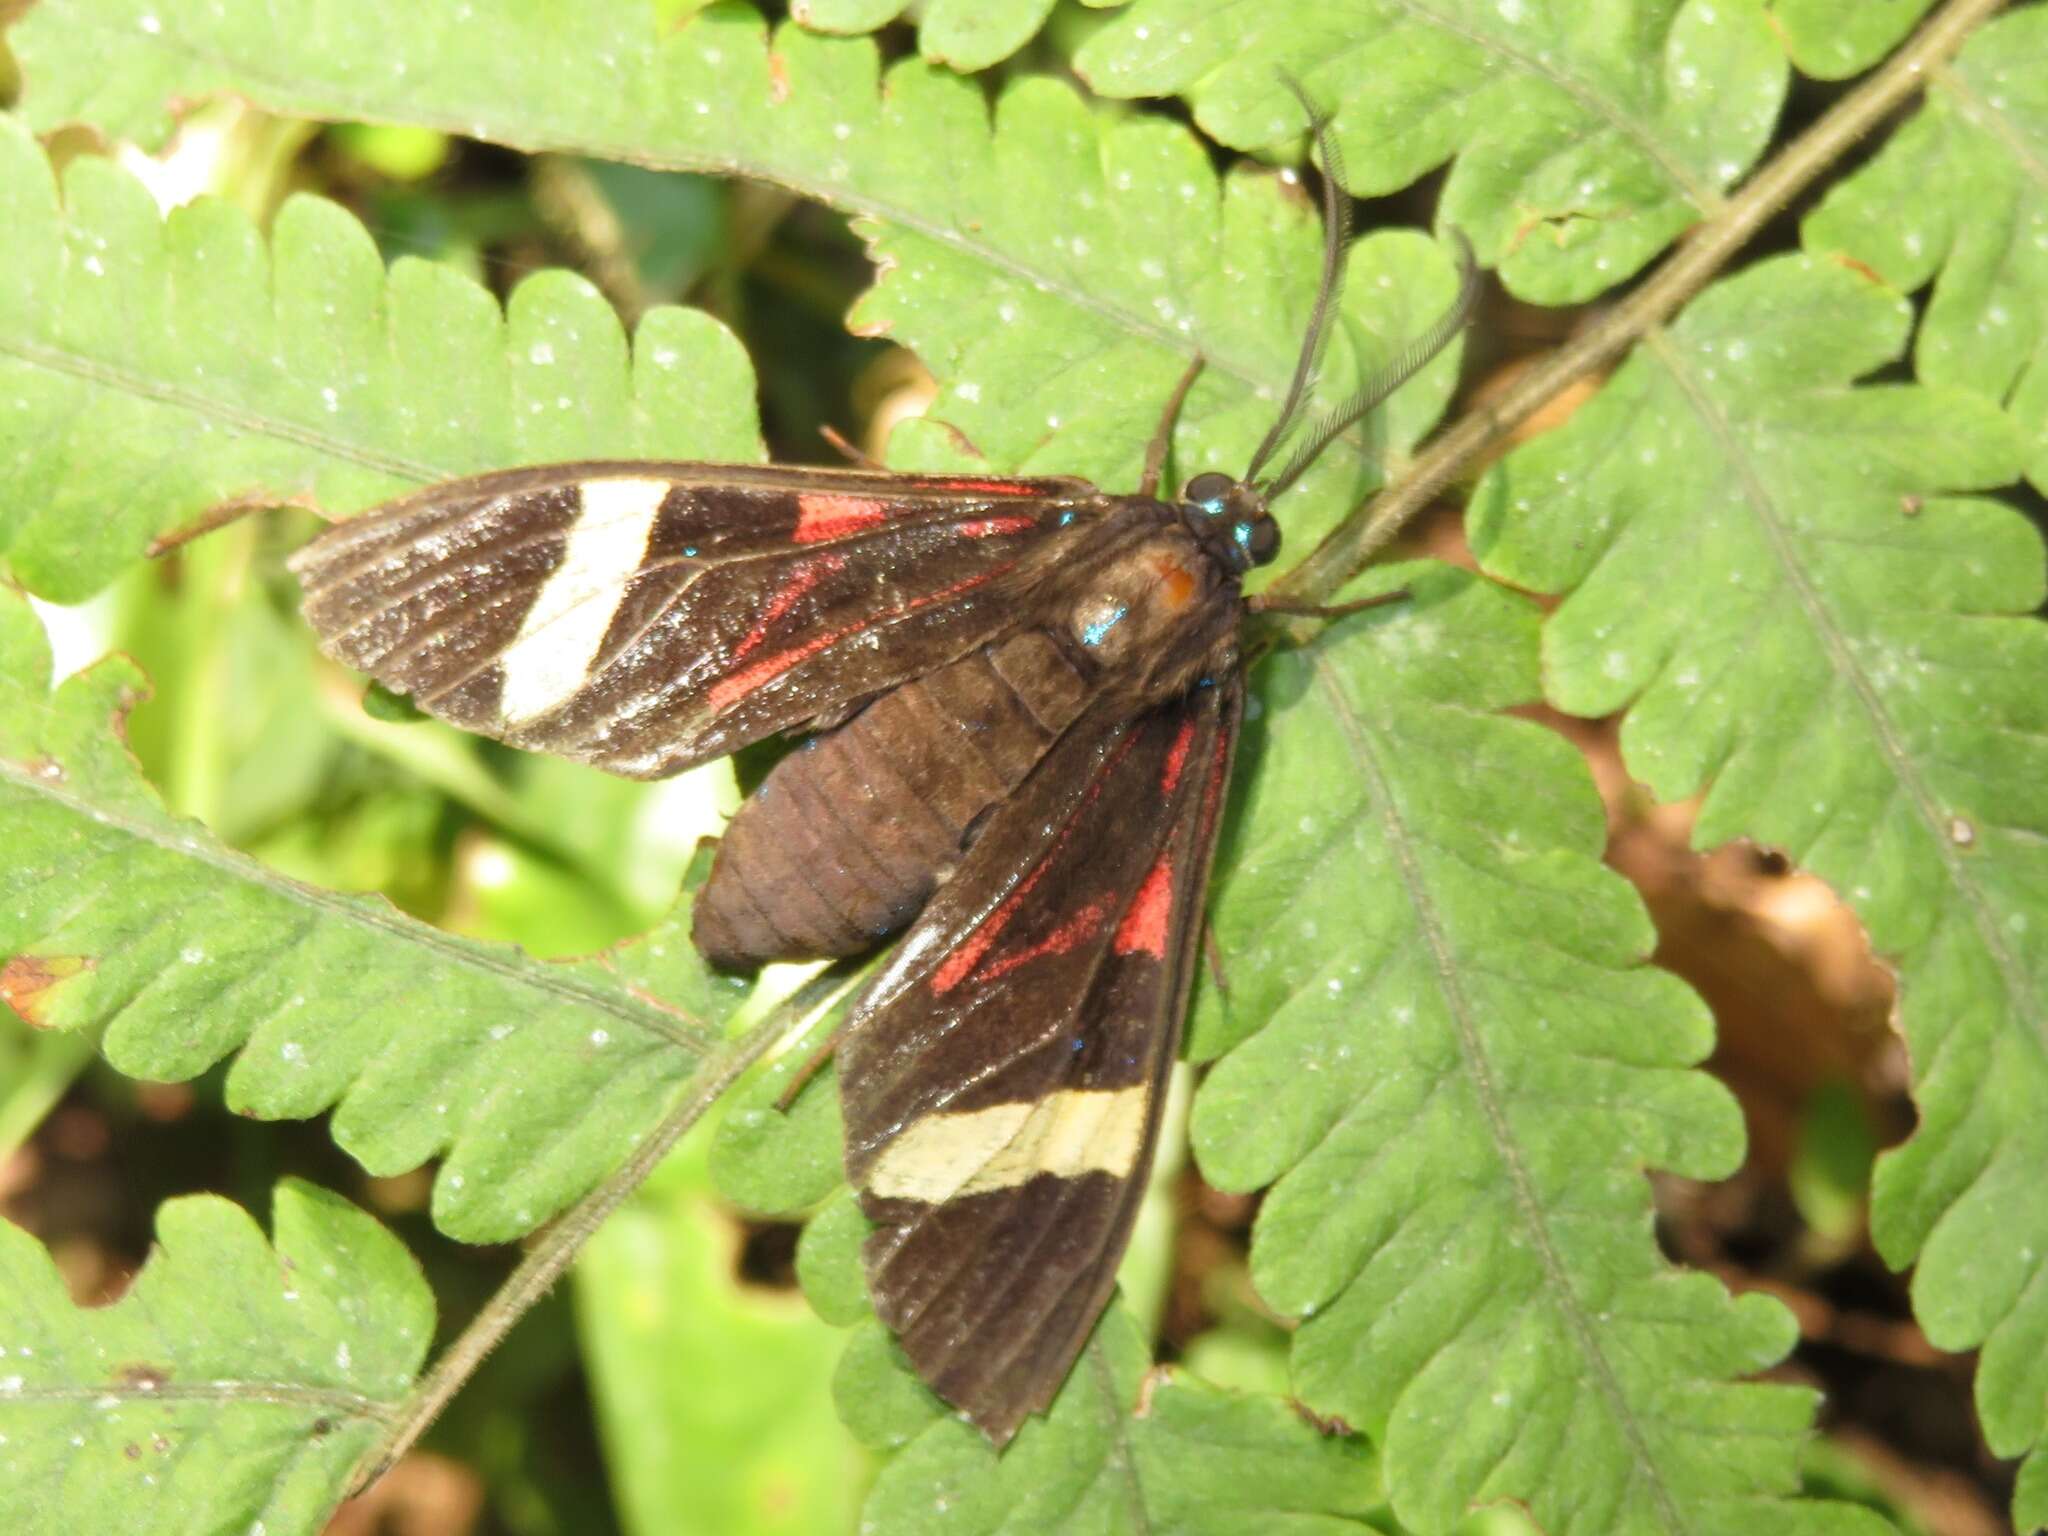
(1704,251)
(559,1244)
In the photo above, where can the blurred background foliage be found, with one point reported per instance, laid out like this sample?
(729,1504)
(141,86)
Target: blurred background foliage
(680,1384)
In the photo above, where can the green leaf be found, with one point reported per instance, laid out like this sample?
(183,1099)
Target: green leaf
(879,1397)
(233,1388)
(1771,570)
(973,34)
(1464,1073)
(966,34)
(403,154)
(1585,137)
(828,1260)
(1058,272)
(531,1082)
(847,16)
(710,1392)
(381,704)
(1833,39)
(777,1163)
(1008,387)
(1124,1452)
(1959,195)
(152,368)
(1235,1357)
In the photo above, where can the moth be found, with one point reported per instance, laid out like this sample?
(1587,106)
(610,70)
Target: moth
(1020,699)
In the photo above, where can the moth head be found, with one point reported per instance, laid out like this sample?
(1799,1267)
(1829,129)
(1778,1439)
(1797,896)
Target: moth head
(1230,520)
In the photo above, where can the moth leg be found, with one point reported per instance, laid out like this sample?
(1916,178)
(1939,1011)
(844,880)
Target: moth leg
(1214,954)
(852,454)
(220,515)
(1162,439)
(1266,603)
(813,1065)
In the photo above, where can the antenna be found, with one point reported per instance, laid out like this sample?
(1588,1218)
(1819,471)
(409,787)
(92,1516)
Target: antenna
(1336,232)
(1411,361)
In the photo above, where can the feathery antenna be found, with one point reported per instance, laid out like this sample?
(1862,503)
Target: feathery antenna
(1411,361)
(1336,234)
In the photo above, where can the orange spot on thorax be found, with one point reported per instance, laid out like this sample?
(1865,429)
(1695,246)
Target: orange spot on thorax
(1177,584)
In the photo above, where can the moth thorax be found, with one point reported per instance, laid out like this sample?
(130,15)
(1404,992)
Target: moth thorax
(1140,598)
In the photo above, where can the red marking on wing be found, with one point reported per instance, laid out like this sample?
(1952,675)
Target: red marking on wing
(959,965)
(730,690)
(1177,757)
(963,960)
(801,580)
(822,516)
(988,487)
(984,527)
(1081,925)
(1145,926)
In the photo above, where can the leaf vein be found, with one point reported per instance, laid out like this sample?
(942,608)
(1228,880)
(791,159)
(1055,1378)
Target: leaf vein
(256,423)
(1998,124)
(1847,673)
(1492,1099)
(1703,197)
(957,235)
(680,1030)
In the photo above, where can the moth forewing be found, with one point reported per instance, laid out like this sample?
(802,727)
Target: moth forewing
(646,617)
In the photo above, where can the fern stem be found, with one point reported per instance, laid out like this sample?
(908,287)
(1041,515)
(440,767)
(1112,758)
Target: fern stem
(556,1247)
(1706,249)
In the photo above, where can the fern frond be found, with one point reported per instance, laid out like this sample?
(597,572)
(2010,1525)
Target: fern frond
(1058,269)
(232,1388)
(1776,572)
(1959,196)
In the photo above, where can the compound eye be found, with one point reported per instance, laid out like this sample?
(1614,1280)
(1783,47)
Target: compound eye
(1207,491)
(1264,543)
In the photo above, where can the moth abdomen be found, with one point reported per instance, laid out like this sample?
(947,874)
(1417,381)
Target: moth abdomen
(845,839)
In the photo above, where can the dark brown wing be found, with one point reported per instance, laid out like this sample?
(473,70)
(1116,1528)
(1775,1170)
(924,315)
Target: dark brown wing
(647,616)
(1001,1079)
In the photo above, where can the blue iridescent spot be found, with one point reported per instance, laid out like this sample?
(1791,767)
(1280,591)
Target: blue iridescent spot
(1093,634)
(1243,534)
(1066,518)
(1213,507)
(689,551)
